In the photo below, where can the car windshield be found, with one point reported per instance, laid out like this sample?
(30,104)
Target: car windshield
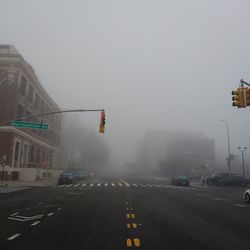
(122,123)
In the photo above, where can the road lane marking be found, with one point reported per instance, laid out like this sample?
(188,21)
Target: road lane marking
(13,236)
(59,208)
(84,184)
(50,214)
(219,199)
(120,184)
(134,185)
(106,184)
(156,185)
(69,185)
(91,185)
(149,185)
(61,186)
(142,185)
(137,242)
(130,216)
(129,243)
(14,214)
(35,223)
(132,225)
(99,184)
(77,185)
(124,182)
(113,184)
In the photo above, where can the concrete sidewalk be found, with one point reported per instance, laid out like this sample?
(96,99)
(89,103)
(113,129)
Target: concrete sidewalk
(14,186)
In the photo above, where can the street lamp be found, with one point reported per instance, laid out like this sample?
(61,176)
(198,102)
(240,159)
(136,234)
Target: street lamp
(229,158)
(242,150)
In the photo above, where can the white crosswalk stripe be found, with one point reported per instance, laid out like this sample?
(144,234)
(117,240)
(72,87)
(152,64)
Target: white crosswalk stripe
(106,184)
(99,184)
(91,185)
(84,184)
(148,185)
(76,185)
(142,185)
(134,185)
(69,185)
(112,184)
(120,184)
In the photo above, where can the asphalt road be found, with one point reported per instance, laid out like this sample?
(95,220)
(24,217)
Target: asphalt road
(124,213)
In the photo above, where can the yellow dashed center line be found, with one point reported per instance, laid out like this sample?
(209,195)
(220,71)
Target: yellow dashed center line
(132,225)
(136,242)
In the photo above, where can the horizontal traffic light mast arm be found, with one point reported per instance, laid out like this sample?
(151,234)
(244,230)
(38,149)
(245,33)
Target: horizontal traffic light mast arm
(52,113)
(244,82)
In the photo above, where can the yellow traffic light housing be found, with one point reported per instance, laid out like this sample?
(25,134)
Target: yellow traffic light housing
(239,97)
(248,96)
(102,122)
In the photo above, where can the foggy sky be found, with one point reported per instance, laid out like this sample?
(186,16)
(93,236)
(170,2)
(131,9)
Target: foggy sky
(151,64)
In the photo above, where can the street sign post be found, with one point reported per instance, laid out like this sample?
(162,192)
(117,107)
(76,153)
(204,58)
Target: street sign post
(29,125)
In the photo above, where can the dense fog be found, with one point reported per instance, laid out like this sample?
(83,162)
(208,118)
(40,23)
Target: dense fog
(162,70)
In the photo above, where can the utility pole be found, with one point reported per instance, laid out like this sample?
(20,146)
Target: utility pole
(242,150)
(229,157)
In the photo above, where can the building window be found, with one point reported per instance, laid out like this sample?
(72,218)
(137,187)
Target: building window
(42,106)
(20,111)
(37,101)
(31,153)
(38,155)
(27,114)
(23,86)
(30,93)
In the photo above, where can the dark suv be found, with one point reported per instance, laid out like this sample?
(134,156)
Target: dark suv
(67,177)
(234,180)
(215,178)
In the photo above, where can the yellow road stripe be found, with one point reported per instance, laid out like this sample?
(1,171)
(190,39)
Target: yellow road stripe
(128,225)
(129,243)
(134,225)
(132,216)
(137,242)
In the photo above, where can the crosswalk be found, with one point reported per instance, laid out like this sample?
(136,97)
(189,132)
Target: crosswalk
(122,184)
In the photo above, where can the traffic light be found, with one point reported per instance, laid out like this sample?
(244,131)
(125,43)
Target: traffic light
(102,122)
(239,97)
(248,96)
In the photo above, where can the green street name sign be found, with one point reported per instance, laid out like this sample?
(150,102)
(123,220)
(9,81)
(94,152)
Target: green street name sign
(30,125)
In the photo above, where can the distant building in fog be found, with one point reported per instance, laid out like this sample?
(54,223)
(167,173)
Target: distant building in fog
(175,153)
(26,148)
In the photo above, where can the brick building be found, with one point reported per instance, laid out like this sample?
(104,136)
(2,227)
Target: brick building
(26,148)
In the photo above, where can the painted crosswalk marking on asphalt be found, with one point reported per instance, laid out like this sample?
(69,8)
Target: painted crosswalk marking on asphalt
(120,184)
(112,184)
(13,236)
(142,185)
(91,185)
(133,184)
(84,184)
(76,185)
(99,184)
(69,185)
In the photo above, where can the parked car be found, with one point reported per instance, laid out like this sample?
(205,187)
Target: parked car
(215,178)
(180,181)
(246,196)
(234,180)
(67,177)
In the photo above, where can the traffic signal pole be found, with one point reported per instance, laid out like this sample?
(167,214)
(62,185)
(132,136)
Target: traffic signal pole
(52,113)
